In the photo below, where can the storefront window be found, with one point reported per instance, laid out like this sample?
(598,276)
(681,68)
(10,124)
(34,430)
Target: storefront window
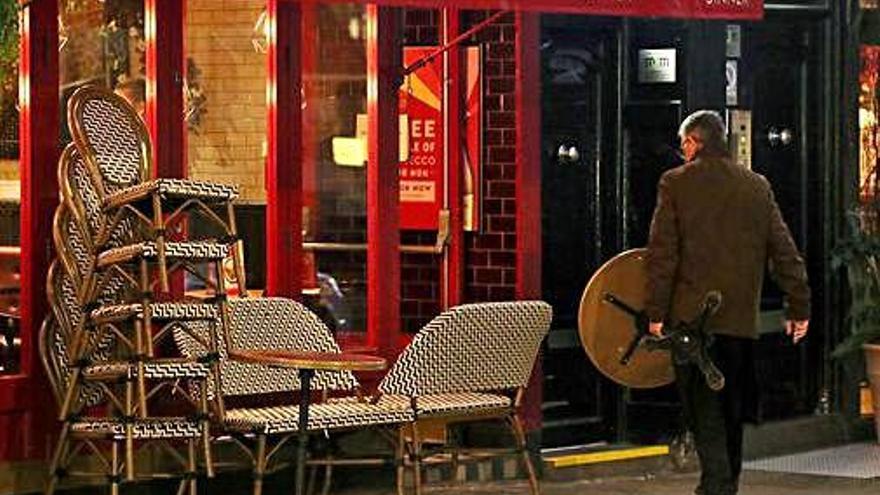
(225,111)
(334,150)
(10,188)
(101,42)
(869,126)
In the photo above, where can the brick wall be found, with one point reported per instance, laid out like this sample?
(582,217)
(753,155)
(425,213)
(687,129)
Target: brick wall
(419,273)
(228,144)
(490,261)
(490,253)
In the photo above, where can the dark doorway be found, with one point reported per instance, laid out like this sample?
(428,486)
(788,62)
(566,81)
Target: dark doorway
(787,148)
(579,91)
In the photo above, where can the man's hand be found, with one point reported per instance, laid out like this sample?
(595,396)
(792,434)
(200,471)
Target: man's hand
(797,329)
(656,328)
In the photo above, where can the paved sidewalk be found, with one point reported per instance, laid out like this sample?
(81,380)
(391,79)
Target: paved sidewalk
(753,483)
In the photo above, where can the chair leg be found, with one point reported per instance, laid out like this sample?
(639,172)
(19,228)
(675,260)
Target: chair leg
(191,466)
(313,475)
(238,251)
(328,479)
(58,453)
(159,228)
(417,458)
(206,430)
(129,432)
(519,433)
(114,468)
(259,464)
(452,434)
(143,337)
(401,450)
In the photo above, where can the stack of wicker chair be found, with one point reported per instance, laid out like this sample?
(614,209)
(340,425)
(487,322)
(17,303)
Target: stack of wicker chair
(109,295)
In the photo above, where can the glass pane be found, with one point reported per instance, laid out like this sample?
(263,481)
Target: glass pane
(10,189)
(334,73)
(101,42)
(225,91)
(868,122)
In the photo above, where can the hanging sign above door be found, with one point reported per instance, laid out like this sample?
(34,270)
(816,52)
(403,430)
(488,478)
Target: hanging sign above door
(702,9)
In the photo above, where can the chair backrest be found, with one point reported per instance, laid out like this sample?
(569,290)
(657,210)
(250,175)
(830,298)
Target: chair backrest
(111,137)
(58,333)
(268,323)
(472,347)
(76,256)
(80,194)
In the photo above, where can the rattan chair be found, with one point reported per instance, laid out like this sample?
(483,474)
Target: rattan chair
(283,324)
(116,148)
(110,385)
(118,302)
(470,363)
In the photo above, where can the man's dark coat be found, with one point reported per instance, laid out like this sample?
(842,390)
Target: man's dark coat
(716,227)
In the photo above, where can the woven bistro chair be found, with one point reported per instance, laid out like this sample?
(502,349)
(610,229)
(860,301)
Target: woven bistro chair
(281,324)
(106,321)
(84,433)
(470,363)
(115,146)
(109,292)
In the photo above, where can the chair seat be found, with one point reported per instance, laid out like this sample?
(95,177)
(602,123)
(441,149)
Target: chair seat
(145,429)
(328,415)
(192,251)
(171,189)
(164,368)
(450,403)
(158,311)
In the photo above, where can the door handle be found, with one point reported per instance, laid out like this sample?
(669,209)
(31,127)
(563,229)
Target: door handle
(568,154)
(780,137)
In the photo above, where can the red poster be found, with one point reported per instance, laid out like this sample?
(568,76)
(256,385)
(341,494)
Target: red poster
(421,173)
(473,145)
(422,183)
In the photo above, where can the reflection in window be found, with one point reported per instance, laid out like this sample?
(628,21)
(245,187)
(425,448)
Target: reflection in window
(225,93)
(101,42)
(335,184)
(10,189)
(868,121)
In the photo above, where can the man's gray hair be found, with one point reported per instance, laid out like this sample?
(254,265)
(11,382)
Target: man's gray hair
(708,127)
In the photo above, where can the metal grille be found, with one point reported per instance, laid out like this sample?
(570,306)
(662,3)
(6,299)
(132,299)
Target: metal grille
(861,460)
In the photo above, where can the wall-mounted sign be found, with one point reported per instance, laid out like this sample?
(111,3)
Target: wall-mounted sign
(657,65)
(422,181)
(731,89)
(733,41)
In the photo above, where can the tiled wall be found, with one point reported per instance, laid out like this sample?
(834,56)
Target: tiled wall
(228,144)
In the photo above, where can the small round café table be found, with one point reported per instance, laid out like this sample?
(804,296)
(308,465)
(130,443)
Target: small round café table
(307,363)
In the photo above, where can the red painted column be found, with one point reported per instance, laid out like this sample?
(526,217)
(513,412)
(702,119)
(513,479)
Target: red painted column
(528,184)
(383,191)
(311,107)
(284,145)
(453,261)
(25,403)
(166,67)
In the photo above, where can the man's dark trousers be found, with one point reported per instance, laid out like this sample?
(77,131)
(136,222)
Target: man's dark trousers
(716,418)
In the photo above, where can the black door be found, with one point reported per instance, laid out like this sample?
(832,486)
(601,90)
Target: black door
(578,93)
(787,148)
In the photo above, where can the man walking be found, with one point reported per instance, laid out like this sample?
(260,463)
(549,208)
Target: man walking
(716,226)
